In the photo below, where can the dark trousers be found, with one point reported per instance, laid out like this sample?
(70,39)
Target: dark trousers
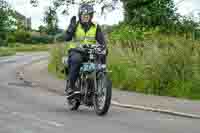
(74,63)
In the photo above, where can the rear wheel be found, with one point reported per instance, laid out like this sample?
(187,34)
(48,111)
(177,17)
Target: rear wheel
(102,98)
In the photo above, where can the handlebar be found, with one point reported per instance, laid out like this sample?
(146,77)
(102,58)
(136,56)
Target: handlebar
(97,49)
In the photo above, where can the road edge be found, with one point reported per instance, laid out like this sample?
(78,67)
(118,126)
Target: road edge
(20,73)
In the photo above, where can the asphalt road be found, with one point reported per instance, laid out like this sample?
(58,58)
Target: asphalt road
(27,109)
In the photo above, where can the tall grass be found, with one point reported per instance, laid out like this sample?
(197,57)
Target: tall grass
(158,64)
(148,62)
(55,65)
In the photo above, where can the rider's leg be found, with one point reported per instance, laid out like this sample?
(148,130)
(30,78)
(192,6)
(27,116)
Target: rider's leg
(75,60)
(102,59)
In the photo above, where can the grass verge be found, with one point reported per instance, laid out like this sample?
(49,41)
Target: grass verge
(13,48)
(158,64)
(6,51)
(31,48)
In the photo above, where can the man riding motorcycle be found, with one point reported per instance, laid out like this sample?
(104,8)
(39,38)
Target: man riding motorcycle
(82,32)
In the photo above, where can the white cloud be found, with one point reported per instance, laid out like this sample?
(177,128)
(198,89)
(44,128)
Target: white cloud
(24,7)
(188,6)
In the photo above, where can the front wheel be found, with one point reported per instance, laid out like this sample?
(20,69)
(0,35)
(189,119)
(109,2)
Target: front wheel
(74,103)
(102,98)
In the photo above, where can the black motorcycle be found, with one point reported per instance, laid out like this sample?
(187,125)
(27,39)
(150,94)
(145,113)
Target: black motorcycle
(95,88)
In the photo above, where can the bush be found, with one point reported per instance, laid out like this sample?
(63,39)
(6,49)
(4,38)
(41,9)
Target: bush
(3,39)
(197,34)
(60,37)
(127,33)
(3,42)
(22,36)
(12,45)
(11,38)
(27,38)
(41,39)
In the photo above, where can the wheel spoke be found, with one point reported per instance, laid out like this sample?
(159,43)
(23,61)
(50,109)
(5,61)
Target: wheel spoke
(101,97)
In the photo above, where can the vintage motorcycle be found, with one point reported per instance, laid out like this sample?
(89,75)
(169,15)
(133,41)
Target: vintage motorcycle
(95,88)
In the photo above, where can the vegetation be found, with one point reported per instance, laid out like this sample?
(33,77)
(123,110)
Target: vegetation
(18,47)
(6,51)
(55,65)
(51,21)
(4,22)
(153,63)
(148,62)
(30,48)
(155,51)
(29,38)
(15,37)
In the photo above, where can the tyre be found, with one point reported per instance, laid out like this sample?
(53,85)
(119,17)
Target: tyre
(102,98)
(73,104)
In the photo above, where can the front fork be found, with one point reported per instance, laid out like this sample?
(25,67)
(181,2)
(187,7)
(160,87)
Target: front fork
(98,84)
(95,83)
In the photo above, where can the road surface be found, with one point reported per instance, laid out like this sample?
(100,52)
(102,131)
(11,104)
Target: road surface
(29,109)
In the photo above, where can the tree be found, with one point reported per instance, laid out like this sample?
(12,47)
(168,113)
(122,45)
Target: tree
(103,4)
(42,29)
(4,15)
(5,21)
(34,2)
(154,13)
(51,20)
(188,26)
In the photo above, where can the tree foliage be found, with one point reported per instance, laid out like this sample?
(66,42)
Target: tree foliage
(5,21)
(51,21)
(158,12)
(42,29)
(4,17)
(103,4)
(139,13)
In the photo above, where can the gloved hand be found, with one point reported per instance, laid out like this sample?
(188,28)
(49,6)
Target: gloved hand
(73,21)
(72,25)
(101,47)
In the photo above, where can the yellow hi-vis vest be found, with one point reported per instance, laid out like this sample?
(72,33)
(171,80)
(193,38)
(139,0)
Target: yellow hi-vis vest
(82,37)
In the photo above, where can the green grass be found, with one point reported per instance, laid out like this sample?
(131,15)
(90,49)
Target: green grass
(156,64)
(6,51)
(30,48)
(18,47)
(55,65)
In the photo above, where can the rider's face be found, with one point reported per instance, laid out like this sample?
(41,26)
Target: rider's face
(85,18)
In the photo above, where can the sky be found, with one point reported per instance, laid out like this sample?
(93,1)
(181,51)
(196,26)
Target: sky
(36,13)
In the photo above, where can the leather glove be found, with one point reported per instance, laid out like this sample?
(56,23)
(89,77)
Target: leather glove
(72,25)
(73,21)
(102,47)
